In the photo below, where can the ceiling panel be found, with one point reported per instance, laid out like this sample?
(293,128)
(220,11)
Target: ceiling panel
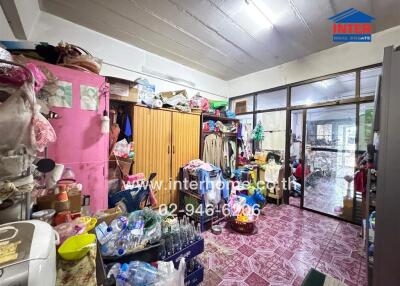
(221,37)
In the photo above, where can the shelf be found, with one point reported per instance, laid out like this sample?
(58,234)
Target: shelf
(220,118)
(233,134)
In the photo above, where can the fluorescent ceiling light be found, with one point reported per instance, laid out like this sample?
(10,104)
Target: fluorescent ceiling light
(259,13)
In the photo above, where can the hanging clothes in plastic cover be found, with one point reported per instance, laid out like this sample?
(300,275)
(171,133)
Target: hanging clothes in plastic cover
(24,132)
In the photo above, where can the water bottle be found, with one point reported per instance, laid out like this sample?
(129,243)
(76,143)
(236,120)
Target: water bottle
(191,232)
(176,241)
(114,271)
(162,254)
(142,273)
(169,246)
(108,248)
(123,276)
(198,232)
(183,234)
(119,223)
(122,244)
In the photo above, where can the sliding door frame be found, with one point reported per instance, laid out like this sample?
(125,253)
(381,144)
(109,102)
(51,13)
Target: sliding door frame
(357,100)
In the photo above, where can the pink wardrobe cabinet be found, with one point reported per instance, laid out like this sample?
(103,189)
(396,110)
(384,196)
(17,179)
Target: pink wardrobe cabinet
(80,144)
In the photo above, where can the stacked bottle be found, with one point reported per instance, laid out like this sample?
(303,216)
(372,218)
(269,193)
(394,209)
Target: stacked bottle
(121,236)
(179,236)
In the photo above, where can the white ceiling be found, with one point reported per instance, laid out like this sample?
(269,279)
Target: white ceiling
(219,37)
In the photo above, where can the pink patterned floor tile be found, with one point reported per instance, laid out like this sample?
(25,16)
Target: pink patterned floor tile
(211,278)
(246,250)
(302,270)
(289,242)
(234,266)
(294,201)
(262,242)
(342,268)
(273,268)
(232,283)
(256,280)
(309,258)
(229,240)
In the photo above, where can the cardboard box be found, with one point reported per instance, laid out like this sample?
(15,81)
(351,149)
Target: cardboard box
(123,90)
(48,201)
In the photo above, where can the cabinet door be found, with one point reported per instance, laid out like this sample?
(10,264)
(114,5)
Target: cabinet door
(185,144)
(152,139)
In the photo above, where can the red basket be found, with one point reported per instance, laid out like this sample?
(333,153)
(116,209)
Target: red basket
(242,227)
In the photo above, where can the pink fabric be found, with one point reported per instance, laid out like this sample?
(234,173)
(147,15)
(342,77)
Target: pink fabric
(40,78)
(42,132)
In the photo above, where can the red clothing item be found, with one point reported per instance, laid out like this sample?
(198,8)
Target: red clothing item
(298,172)
(360,181)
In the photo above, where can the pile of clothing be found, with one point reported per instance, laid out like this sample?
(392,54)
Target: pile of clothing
(218,126)
(210,181)
(199,102)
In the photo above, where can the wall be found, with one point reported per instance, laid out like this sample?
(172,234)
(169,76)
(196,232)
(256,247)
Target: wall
(120,59)
(336,59)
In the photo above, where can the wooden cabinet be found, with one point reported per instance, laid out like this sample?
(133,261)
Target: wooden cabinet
(164,141)
(185,144)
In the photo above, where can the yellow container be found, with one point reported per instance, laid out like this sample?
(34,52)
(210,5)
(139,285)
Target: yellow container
(90,222)
(77,246)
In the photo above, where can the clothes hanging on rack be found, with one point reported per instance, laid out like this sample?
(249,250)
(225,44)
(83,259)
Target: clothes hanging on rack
(213,149)
(119,114)
(211,182)
(24,132)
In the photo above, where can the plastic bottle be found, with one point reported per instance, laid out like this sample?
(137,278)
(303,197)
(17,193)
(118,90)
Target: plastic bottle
(123,243)
(108,248)
(198,232)
(122,278)
(142,273)
(176,241)
(183,233)
(114,271)
(119,223)
(191,232)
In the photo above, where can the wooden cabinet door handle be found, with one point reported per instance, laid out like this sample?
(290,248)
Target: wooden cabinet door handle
(173,149)
(169,149)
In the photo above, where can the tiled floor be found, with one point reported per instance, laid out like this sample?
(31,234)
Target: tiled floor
(289,242)
(294,201)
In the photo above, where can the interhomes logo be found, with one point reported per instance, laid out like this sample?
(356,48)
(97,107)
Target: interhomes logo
(351,26)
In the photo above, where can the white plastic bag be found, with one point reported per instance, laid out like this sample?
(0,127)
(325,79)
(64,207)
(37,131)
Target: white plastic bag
(172,277)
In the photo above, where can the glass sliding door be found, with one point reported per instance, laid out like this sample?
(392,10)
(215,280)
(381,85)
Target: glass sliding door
(295,161)
(330,149)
